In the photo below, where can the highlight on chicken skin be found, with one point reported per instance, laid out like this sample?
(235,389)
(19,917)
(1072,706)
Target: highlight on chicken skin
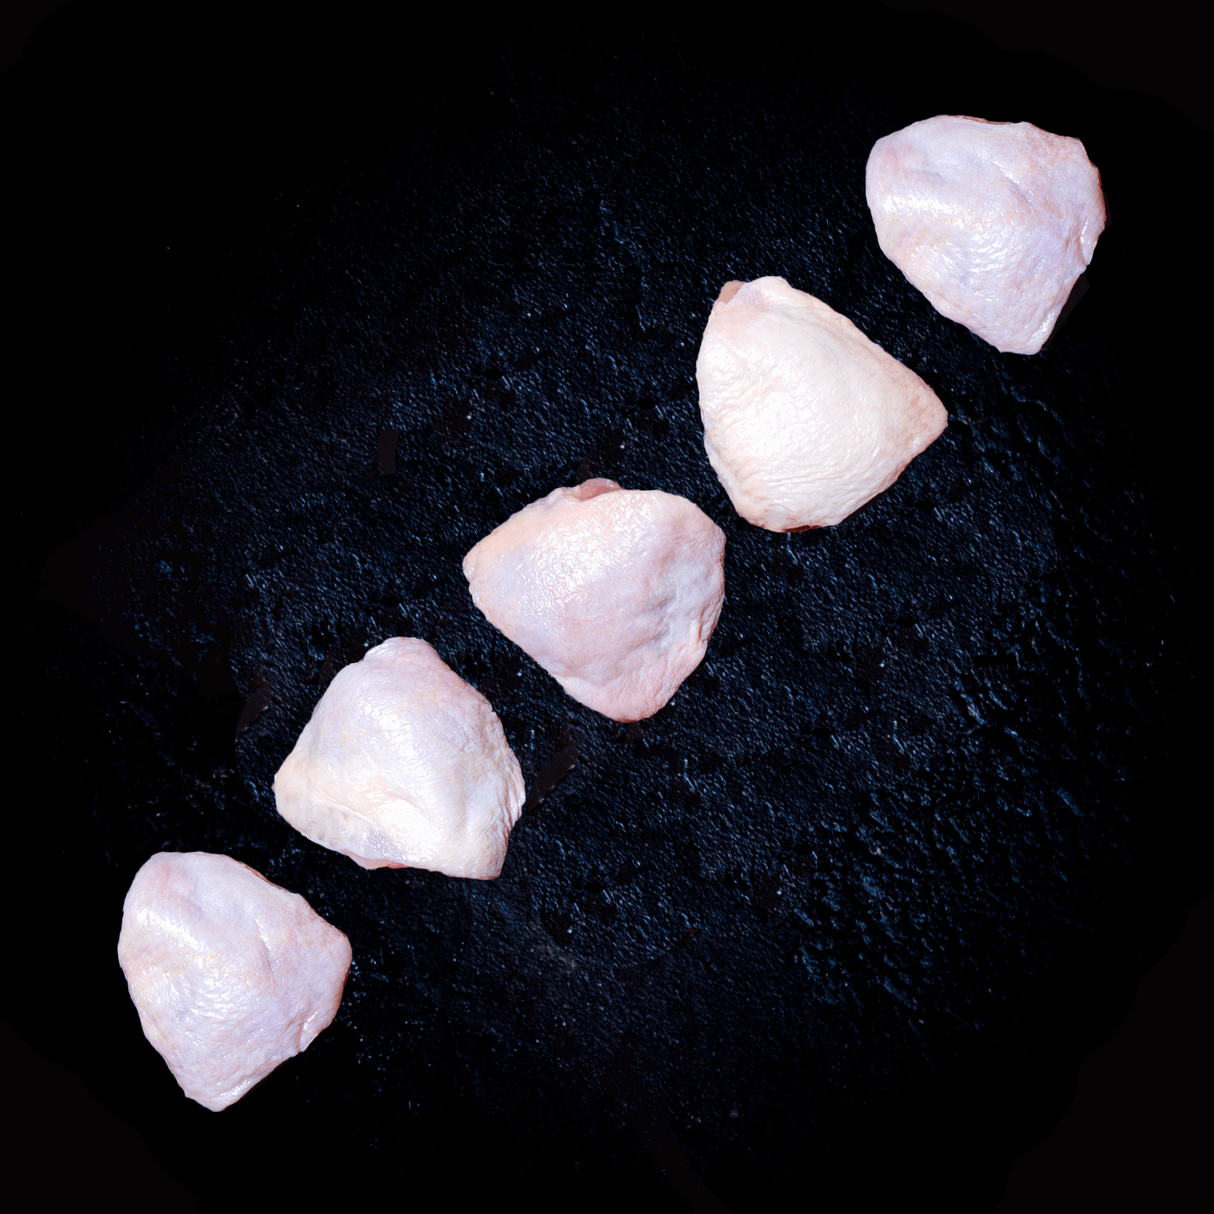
(614,592)
(993,221)
(231,974)
(404,765)
(805,419)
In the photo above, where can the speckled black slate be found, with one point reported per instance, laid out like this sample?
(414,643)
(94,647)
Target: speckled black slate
(841,920)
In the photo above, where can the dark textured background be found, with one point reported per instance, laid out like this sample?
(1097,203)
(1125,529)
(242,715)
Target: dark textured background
(302,322)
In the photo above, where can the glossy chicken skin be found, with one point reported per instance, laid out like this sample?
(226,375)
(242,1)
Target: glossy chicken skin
(615,592)
(805,419)
(992,221)
(231,975)
(404,764)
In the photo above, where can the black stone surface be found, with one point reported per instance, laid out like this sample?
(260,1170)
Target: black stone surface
(302,323)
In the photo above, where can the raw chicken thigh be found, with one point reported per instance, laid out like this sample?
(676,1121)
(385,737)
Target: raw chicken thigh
(230,974)
(613,591)
(805,419)
(404,765)
(992,221)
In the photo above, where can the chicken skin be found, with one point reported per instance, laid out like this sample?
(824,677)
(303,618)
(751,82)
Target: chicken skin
(231,974)
(993,221)
(805,419)
(404,765)
(614,592)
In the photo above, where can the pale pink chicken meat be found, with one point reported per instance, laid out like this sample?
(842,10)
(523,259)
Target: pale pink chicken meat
(404,765)
(614,592)
(231,974)
(992,221)
(805,419)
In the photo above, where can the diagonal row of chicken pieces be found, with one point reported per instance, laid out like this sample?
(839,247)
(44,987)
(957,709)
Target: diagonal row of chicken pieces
(614,592)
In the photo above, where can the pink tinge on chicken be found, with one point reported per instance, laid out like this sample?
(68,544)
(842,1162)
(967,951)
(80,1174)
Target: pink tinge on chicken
(231,975)
(805,419)
(404,765)
(992,221)
(614,592)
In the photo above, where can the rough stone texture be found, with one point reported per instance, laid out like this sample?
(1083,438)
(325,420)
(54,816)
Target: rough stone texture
(846,916)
